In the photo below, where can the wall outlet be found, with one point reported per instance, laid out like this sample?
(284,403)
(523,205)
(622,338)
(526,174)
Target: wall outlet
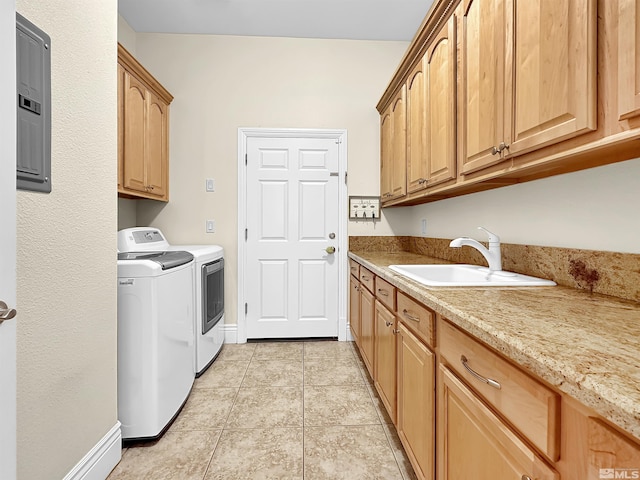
(211,226)
(210,185)
(423,226)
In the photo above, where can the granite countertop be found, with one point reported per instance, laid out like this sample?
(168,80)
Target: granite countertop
(587,346)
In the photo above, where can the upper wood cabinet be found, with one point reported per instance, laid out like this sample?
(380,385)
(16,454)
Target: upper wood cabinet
(143,131)
(528,76)
(431,102)
(441,105)
(417,128)
(507,91)
(628,58)
(393,155)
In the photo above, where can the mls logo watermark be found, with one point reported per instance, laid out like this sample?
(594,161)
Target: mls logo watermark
(620,473)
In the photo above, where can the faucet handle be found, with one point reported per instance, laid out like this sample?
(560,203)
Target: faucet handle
(493,238)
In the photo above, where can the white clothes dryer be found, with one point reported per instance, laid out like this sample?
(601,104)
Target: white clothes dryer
(208,292)
(155,340)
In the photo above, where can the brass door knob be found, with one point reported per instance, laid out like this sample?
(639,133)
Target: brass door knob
(330,250)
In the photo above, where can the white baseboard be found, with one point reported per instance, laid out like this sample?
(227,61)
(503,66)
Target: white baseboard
(230,333)
(101,459)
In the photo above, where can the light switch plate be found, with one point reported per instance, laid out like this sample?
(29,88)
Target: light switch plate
(210,185)
(211,226)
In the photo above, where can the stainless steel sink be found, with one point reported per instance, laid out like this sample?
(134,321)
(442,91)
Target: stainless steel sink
(467,276)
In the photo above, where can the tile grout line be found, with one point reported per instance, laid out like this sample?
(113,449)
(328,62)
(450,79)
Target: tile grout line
(227,419)
(304,351)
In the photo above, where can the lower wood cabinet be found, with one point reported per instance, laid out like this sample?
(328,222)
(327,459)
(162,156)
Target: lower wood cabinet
(474,443)
(367,312)
(385,358)
(354,308)
(610,454)
(492,420)
(416,405)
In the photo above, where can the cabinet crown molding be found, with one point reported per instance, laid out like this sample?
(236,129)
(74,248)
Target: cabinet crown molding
(133,66)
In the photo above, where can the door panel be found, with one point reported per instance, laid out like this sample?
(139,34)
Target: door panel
(416,129)
(441,111)
(8,239)
(386,154)
(134,148)
(292,207)
(554,90)
(156,148)
(483,55)
(399,175)
(628,58)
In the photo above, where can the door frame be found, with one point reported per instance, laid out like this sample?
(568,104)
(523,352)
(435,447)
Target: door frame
(340,135)
(8,287)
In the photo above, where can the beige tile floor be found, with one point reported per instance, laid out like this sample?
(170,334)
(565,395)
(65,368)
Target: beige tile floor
(278,410)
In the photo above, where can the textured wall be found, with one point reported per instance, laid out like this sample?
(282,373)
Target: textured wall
(67,273)
(223,83)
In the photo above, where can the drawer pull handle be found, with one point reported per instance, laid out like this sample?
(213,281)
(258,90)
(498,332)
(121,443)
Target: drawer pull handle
(486,380)
(388,323)
(382,292)
(525,477)
(406,313)
(365,278)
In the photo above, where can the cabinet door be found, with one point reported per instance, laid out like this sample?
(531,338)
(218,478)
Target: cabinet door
(133,145)
(120,125)
(386,154)
(610,454)
(628,58)
(417,129)
(367,310)
(385,358)
(416,405)
(354,308)
(156,146)
(441,110)
(554,73)
(483,72)
(399,174)
(475,443)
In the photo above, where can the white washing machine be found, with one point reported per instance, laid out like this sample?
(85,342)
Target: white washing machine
(208,293)
(155,339)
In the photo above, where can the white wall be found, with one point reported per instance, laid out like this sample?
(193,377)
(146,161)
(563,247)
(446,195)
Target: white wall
(66,271)
(594,209)
(221,83)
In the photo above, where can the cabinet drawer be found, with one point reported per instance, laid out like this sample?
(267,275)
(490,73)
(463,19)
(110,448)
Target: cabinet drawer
(386,293)
(419,319)
(354,268)
(367,278)
(530,406)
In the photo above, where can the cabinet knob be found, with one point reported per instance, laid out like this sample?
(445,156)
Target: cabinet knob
(525,477)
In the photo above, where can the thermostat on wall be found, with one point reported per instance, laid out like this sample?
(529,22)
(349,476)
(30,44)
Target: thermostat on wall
(364,207)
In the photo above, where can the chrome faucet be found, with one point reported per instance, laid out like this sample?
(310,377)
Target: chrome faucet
(492,255)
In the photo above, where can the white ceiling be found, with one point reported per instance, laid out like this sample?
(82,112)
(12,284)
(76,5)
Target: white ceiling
(347,19)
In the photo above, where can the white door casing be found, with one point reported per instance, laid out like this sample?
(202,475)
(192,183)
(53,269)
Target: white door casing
(291,193)
(8,238)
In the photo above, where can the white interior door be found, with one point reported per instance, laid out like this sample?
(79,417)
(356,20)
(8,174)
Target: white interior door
(8,238)
(292,215)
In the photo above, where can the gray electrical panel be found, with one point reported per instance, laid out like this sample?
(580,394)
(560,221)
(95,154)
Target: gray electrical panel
(34,106)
